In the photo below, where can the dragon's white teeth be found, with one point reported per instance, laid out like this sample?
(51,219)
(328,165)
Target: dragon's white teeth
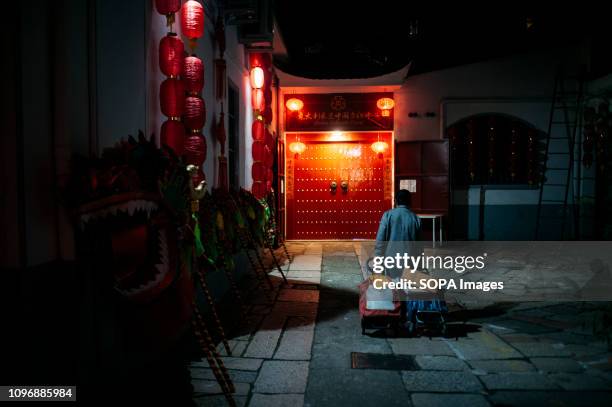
(129,207)
(162,269)
(127,292)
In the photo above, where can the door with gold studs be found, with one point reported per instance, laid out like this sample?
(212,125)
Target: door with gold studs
(338,187)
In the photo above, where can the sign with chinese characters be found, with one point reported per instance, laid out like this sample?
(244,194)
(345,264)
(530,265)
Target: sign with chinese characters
(289,178)
(339,111)
(409,184)
(388,183)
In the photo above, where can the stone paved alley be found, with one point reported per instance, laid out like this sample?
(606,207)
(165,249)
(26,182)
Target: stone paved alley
(299,350)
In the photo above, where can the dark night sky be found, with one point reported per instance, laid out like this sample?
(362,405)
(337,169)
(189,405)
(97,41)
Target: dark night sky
(336,39)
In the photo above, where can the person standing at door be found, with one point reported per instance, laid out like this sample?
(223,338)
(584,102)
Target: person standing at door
(399,231)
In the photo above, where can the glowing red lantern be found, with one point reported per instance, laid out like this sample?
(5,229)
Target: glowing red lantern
(173,136)
(257,77)
(258,189)
(270,140)
(171,55)
(257,130)
(166,7)
(267,114)
(195,113)
(266,60)
(297,148)
(385,104)
(259,171)
(269,179)
(257,99)
(268,93)
(193,74)
(379,147)
(195,150)
(192,19)
(172,97)
(268,157)
(294,104)
(258,151)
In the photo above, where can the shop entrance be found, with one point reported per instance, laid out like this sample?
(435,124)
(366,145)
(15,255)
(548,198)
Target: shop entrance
(339,185)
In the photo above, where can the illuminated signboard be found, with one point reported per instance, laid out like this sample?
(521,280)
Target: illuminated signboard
(338,111)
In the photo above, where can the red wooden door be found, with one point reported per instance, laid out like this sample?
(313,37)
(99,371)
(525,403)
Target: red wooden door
(351,210)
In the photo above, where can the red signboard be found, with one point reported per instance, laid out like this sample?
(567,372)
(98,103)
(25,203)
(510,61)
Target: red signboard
(339,111)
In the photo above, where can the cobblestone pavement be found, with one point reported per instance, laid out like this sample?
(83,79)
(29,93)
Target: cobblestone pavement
(299,351)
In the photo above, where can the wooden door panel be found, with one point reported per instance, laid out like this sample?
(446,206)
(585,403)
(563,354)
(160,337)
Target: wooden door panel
(316,211)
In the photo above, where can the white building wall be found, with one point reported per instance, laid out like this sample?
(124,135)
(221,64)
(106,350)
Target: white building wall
(505,85)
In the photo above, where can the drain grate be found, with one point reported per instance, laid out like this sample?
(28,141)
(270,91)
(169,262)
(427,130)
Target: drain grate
(361,360)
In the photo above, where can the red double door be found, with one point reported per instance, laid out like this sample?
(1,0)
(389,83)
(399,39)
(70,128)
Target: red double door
(339,187)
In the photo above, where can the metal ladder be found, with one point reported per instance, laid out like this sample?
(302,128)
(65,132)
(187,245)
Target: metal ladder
(558,161)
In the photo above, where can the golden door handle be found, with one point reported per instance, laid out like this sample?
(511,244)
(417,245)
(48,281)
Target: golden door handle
(332,186)
(344,185)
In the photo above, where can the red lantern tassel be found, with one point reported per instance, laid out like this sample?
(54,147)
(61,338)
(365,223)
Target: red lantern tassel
(220,78)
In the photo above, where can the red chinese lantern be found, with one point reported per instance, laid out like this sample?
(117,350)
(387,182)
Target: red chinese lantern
(172,97)
(193,74)
(195,113)
(195,150)
(379,147)
(257,99)
(294,104)
(192,19)
(258,189)
(266,60)
(258,151)
(385,105)
(171,55)
(173,136)
(257,77)
(259,171)
(268,93)
(270,141)
(297,148)
(268,157)
(269,180)
(267,114)
(258,130)
(166,7)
